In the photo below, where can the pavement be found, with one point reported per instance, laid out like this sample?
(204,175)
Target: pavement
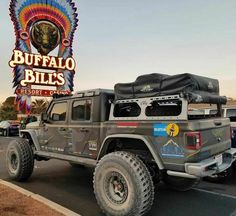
(56,207)
(72,188)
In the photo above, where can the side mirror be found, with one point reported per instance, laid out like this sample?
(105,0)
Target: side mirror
(44,117)
(55,117)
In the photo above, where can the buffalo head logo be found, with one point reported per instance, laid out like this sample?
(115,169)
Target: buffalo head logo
(45,36)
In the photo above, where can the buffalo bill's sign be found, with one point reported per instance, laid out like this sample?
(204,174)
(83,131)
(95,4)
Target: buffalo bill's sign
(39,61)
(44,25)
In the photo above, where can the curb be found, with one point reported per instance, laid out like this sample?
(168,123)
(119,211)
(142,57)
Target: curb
(39,198)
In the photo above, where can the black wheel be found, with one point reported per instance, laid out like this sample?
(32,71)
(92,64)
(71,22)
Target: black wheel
(179,183)
(123,185)
(220,177)
(20,160)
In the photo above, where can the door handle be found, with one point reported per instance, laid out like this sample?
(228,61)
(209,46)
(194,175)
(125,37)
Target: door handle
(217,123)
(62,129)
(83,130)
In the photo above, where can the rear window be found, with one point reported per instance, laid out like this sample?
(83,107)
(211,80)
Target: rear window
(164,108)
(81,110)
(230,112)
(213,112)
(131,109)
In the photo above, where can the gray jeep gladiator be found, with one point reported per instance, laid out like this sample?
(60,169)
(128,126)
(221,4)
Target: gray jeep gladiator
(135,136)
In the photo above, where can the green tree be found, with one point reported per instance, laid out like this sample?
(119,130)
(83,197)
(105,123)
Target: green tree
(39,106)
(8,110)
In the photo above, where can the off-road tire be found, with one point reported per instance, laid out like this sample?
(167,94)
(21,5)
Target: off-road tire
(179,183)
(220,177)
(19,160)
(136,182)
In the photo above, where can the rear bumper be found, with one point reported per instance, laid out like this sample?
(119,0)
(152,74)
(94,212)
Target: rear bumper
(211,166)
(207,167)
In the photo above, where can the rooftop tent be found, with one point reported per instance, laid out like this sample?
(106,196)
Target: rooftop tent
(196,89)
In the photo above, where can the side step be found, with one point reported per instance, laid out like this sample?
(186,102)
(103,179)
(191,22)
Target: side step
(70,158)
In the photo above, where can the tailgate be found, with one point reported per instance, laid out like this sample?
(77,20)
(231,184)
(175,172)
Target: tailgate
(215,137)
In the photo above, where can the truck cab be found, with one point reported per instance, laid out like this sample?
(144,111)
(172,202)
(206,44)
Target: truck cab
(72,124)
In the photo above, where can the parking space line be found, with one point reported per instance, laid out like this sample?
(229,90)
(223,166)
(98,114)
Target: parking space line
(215,193)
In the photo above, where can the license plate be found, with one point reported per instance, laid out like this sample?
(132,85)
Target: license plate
(219,159)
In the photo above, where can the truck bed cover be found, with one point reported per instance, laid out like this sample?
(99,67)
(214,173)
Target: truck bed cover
(196,89)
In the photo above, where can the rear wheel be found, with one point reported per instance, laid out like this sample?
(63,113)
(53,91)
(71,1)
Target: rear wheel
(179,183)
(123,185)
(220,177)
(20,160)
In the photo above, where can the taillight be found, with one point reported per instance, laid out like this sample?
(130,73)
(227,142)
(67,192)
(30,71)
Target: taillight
(193,140)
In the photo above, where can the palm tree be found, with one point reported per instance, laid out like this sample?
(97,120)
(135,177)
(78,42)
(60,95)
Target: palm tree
(39,106)
(8,110)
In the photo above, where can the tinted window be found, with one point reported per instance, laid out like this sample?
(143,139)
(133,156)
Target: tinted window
(127,110)
(81,110)
(213,112)
(164,108)
(58,109)
(230,112)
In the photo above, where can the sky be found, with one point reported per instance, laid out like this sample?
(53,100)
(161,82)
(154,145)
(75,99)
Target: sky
(116,41)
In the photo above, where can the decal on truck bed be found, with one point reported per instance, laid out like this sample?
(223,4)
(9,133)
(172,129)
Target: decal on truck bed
(172,130)
(172,150)
(164,130)
(159,130)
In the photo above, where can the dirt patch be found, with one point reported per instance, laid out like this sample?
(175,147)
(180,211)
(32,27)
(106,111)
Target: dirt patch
(13,203)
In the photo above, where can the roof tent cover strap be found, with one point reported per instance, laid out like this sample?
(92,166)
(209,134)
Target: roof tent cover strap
(196,89)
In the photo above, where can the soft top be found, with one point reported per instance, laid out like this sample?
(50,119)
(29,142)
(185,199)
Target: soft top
(196,89)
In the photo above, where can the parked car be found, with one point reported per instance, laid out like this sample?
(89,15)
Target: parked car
(9,127)
(29,119)
(230,112)
(227,112)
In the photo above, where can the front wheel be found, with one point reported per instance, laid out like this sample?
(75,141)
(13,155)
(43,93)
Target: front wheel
(179,183)
(123,185)
(19,160)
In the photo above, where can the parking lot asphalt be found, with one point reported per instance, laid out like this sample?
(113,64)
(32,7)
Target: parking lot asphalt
(73,189)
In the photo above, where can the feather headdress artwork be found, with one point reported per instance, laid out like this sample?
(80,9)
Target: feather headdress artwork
(44,24)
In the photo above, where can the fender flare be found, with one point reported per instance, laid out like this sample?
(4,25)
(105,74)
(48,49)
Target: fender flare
(33,136)
(134,136)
